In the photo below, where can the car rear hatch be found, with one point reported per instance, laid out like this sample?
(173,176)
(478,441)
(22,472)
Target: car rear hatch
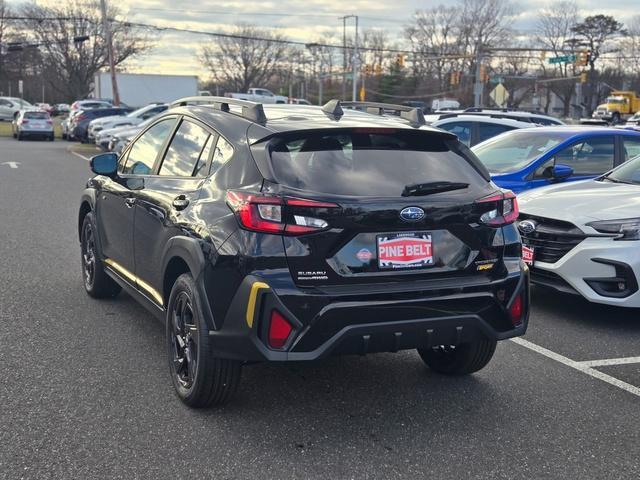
(365,206)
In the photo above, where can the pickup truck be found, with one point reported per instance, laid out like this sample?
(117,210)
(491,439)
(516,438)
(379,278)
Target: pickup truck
(261,95)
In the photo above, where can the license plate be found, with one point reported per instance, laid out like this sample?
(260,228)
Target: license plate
(405,250)
(528,254)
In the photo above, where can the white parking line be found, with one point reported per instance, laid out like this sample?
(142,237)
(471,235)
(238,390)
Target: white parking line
(578,366)
(79,155)
(610,361)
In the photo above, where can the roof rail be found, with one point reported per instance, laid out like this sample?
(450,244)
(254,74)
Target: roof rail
(413,114)
(250,110)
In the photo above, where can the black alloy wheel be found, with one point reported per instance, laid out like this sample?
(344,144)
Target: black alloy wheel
(184,344)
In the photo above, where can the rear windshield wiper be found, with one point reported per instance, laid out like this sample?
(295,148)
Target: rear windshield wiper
(419,189)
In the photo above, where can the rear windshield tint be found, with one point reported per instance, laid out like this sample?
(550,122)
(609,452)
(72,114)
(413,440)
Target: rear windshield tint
(371,162)
(36,115)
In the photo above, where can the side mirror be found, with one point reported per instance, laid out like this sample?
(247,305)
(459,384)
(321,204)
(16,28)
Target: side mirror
(104,164)
(560,172)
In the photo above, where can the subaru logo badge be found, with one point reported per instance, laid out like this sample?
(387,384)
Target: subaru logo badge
(412,214)
(527,226)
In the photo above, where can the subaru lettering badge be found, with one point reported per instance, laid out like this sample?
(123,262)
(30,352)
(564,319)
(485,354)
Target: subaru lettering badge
(412,214)
(527,226)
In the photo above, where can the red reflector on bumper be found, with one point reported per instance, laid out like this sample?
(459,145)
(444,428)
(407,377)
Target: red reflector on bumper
(279,330)
(515,310)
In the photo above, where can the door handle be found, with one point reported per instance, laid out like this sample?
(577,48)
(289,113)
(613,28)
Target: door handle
(180,202)
(130,202)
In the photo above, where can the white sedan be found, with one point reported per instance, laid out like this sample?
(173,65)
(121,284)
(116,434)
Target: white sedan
(584,237)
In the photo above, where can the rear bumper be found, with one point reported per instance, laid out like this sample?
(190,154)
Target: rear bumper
(360,323)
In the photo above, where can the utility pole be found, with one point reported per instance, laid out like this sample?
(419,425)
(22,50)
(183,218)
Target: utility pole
(344,57)
(112,64)
(355,63)
(478,86)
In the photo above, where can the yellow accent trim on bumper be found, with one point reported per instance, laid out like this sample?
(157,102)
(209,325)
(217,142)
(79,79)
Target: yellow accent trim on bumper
(136,280)
(251,304)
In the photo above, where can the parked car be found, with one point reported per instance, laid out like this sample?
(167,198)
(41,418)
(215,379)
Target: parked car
(32,123)
(45,107)
(80,122)
(132,118)
(76,108)
(259,95)
(534,157)
(104,138)
(583,238)
(537,118)
(265,236)
(474,129)
(60,109)
(10,106)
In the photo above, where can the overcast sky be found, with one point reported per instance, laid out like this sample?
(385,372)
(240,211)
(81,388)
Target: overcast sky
(302,20)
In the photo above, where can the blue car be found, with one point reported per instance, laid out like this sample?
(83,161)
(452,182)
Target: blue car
(534,157)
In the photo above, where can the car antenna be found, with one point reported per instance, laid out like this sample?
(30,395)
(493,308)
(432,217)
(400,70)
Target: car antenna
(333,108)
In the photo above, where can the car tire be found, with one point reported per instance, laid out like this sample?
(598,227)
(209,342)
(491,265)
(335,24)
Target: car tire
(51,138)
(461,359)
(19,137)
(64,136)
(200,378)
(96,281)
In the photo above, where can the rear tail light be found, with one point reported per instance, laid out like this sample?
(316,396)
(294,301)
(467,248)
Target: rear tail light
(279,330)
(505,211)
(49,122)
(24,122)
(516,309)
(265,214)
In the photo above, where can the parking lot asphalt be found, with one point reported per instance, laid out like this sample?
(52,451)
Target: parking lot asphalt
(85,391)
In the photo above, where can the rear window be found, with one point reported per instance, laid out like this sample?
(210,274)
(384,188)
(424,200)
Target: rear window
(36,115)
(367,162)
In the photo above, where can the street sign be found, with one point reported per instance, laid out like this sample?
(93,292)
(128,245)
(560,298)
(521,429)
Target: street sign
(496,79)
(562,59)
(499,95)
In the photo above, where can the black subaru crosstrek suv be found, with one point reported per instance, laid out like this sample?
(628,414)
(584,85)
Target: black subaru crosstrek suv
(290,232)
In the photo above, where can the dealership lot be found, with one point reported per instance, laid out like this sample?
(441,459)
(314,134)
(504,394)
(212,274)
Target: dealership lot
(87,394)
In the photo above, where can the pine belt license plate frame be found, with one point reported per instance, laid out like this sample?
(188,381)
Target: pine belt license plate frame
(420,253)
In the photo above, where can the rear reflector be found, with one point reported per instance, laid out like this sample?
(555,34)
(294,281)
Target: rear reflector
(515,310)
(279,330)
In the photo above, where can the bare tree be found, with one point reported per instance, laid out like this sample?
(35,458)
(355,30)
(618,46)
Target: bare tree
(435,39)
(630,46)
(249,59)
(555,32)
(69,67)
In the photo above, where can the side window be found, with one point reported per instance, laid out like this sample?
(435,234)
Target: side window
(631,148)
(144,151)
(461,129)
(185,150)
(5,103)
(589,157)
(200,171)
(488,130)
(221,154)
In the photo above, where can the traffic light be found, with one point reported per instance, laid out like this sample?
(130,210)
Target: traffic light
(367,69)
(584,77)
(400,60)
(455,78)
